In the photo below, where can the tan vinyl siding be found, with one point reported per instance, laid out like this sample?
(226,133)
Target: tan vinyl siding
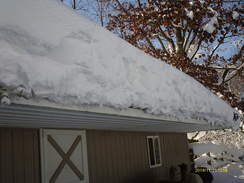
(121,157)
(19,155)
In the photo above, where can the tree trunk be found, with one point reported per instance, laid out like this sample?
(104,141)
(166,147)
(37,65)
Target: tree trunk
(74,4)
(179,42)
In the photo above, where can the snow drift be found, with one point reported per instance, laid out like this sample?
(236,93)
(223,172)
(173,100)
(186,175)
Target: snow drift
(67,59)
(218,155)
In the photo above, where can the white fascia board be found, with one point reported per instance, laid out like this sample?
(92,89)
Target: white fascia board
(30,116)
(107,110)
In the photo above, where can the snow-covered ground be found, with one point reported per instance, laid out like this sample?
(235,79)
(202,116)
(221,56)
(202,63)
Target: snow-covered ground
(221,149)
(65,58)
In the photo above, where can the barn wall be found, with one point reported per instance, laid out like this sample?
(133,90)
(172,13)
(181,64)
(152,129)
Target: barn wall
(121,157)
(19,155)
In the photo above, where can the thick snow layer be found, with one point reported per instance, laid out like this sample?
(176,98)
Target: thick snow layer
(65,58)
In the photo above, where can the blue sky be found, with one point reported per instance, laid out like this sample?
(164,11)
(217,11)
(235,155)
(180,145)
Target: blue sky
(89,10)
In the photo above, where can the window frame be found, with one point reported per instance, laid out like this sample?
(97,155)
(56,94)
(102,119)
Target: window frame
(154,151)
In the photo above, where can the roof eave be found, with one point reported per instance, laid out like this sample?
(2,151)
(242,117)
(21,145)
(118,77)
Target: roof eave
(33,116)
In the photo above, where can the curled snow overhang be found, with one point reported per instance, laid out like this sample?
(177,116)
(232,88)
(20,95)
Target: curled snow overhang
(66,59)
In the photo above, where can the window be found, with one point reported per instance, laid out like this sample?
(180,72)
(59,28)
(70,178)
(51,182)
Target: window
(242,96)
(154,151)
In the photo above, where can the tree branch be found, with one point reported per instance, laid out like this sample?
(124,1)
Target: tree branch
(177,26)
(222,68)
(150,44)
(234,73)
(162,44)
(211,55)
(186,40)
(193,39)
(198,46)
(179,41)
(167,38)
(139,4)
(122,7)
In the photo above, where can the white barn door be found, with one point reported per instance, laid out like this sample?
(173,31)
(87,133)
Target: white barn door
(64,156)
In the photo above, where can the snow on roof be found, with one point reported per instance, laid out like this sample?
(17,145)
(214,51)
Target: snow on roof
(67,59)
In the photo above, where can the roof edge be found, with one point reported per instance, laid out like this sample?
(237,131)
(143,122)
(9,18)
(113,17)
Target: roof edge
(30,116)
(130,112)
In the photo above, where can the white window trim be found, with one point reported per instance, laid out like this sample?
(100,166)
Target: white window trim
(148,151)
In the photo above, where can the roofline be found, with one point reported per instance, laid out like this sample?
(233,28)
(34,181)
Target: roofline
(129,112)
(30,116)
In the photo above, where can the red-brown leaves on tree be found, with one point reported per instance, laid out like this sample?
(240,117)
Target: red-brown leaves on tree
(174,32)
